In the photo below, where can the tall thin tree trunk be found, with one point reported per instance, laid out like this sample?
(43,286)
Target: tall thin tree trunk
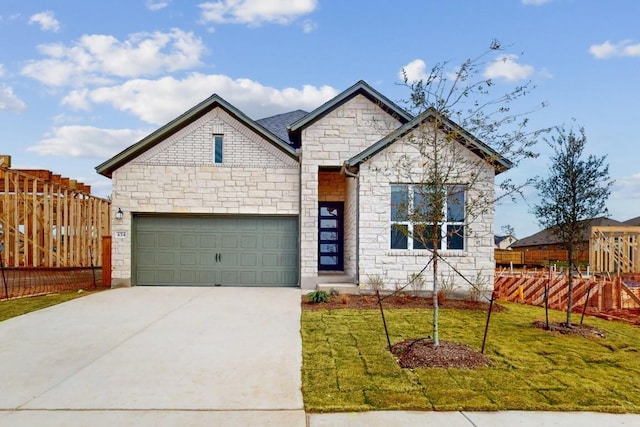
(570,287)
(436,338)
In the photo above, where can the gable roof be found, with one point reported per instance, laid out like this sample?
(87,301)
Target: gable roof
(633,221)
(278,124)
(360,88)
(180,122)
(481,149)
(546,236)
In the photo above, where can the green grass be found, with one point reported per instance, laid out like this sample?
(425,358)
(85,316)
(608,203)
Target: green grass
(347,367)
(16,307)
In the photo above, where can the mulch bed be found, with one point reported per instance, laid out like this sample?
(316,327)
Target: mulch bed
(576,329)
(423,354)
(370,302)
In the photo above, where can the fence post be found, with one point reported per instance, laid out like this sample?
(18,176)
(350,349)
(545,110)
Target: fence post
(106,261)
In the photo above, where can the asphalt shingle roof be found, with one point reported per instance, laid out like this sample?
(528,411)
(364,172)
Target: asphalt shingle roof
(633,221)
(546,237)
(278,124)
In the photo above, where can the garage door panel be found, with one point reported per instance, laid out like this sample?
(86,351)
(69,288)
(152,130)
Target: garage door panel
(189,241)
(188,258)
(146,240)
(238,251)
(166,240)
(166,258)
(188,277)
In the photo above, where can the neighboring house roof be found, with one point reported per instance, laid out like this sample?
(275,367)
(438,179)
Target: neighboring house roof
(499,239)
(360,88)
(180,122)
(546,237)
(500,163)
(633,221)
(279,123)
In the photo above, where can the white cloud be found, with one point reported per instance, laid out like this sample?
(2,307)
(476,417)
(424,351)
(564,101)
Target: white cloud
(607,49)
(156,4)
(158,101)
(9,101)
(96,59)
(535,2)
(625,193)
(86,142)
(507,67)
(309,26)
(255,12)
(46,20)
(2,70)
(414,70)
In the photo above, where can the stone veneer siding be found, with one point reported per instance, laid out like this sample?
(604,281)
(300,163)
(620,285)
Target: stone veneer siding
(178,176)
(396,266)
(334,138)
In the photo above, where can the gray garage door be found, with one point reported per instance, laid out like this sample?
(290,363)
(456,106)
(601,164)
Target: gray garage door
(209,251)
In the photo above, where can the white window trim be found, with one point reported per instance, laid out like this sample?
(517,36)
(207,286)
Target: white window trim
(443,225)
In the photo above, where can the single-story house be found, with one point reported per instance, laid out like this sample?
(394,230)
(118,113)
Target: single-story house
(298,199)
(503,242)
(547,240)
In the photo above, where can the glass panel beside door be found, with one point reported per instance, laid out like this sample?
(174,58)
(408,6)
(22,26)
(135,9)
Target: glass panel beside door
(330,236)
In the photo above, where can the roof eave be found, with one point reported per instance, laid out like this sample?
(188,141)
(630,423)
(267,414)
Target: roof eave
(360,87)
(500,164)
(107,168)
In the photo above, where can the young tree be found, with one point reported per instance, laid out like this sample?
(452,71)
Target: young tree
(575,191)
(464,134)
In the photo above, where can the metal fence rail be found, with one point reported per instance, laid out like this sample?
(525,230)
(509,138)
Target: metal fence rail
(17,282)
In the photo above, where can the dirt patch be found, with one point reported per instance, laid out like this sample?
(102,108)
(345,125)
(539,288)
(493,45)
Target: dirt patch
(370,302)
(423,354)
(562,328)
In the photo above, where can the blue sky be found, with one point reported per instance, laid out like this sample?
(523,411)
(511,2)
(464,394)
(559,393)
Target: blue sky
(80,81)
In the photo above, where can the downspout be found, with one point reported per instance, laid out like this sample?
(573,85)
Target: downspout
(348,173)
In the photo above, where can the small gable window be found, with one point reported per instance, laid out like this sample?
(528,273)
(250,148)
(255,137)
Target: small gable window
(217,149)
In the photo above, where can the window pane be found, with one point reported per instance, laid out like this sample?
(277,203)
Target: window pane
(325,211)
(399,202)
(423,237)
(328,235)
(217,148)
(328,248)
(422,202)
(329,260)
(455,237)
(398,236)
(455,204)
(328,223)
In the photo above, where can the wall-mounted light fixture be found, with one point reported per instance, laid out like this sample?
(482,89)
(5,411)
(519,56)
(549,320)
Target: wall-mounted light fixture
(119,214)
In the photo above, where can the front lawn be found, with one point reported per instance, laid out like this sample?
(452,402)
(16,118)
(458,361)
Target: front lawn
(16,307)
(347,366)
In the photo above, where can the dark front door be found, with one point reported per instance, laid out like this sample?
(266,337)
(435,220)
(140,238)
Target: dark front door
(330,236)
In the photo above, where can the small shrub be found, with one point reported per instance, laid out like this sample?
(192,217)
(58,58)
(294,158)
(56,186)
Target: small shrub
(317,297)
(416,283)
(375,282)
(334,292)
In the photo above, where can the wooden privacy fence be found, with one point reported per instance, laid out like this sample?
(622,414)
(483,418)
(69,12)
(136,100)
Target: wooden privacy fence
(47,220)
(607,293)
(537,257)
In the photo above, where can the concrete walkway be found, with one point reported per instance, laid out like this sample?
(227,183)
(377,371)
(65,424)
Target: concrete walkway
(155,356)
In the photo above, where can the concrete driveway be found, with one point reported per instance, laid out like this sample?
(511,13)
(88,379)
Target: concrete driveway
(156,356)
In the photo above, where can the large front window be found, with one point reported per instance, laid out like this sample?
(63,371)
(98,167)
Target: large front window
(412,213)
